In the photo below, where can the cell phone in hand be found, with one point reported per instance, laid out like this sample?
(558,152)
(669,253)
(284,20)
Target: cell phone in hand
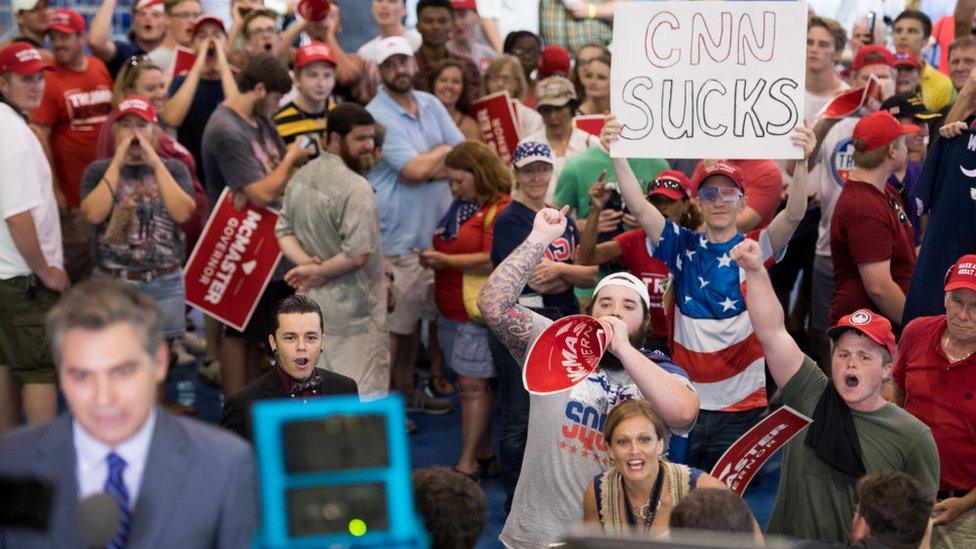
(307,143)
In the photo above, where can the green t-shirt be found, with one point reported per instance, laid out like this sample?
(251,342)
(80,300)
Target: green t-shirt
(582,171)
(814,500)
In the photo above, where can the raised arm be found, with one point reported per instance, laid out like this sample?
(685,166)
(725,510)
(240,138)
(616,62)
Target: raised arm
(100,33)
(783,356)
(647,215)
(782,226)
(498,300)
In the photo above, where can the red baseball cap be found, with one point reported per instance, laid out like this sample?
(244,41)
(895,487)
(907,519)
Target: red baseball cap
(143,4)
(874,326)
(670,184)
(203,19)
(22,58)
(66,20)
(465,4)
(726,169)
(137,105)
(555,58)
(878,129)
(312,52)
(906,58)
(873,55)
(962,274)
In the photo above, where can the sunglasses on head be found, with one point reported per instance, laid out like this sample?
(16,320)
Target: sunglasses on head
(665,183)
(711,193)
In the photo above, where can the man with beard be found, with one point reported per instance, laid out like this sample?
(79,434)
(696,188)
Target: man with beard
(564,446)
(412,195)
(242,150)
(148,29)
(329,228)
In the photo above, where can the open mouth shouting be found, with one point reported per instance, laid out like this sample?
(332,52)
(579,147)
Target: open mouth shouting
(635,465)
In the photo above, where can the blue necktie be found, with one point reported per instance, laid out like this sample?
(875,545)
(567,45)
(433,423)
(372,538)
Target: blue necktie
(115,487)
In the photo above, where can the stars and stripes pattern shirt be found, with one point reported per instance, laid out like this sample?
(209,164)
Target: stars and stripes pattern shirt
(713,337)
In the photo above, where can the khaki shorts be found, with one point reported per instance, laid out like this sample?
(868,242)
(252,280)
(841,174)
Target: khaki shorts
(24,346)
(413,288)
(958,534)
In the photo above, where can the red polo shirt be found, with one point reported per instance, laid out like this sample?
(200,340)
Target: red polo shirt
(942,396)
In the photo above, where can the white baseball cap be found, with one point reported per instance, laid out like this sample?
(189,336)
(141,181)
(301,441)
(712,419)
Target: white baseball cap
(24,5)
(390,46)
(625,280)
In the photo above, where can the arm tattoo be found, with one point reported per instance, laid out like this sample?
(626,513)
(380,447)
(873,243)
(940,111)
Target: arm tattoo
(511,322)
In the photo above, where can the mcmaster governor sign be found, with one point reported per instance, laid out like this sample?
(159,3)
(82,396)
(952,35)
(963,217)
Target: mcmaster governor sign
(708,79)
(232,262)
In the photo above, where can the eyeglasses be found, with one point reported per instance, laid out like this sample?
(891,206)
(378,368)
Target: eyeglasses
(711,193)
(185,15)
(263,31)
(899,211)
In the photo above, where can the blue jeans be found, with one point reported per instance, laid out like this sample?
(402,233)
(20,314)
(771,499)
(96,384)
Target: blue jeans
(715,432)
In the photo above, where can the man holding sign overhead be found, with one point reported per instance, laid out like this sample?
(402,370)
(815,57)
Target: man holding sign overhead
(564,447)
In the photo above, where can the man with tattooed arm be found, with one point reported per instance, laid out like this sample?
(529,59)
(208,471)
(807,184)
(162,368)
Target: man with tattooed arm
(564,448)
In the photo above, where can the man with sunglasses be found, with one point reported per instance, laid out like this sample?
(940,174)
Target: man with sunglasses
(871,237)
(713,339)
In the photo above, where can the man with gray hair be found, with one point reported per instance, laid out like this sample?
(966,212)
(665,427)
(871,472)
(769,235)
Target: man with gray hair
(107,342)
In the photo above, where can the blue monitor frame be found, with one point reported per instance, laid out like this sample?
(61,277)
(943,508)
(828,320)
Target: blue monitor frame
(269,417)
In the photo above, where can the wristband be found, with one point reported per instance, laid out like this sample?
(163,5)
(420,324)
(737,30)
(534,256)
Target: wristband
(591,11)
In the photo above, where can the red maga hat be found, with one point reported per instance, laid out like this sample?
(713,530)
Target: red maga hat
(873,55)
(878,129)
(312,52)
(66,20)
(22,58)
(962,274)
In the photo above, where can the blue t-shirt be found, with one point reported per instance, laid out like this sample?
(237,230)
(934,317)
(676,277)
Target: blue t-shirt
(409,212)
(210,93)
(947,191)
(512,228)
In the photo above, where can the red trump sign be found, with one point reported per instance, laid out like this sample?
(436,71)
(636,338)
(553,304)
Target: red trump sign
(496,120)
(232,262)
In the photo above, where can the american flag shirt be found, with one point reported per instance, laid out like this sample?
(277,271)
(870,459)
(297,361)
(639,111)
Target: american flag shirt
(713,337)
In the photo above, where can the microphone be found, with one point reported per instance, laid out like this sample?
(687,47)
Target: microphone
(25,502)
(98,519)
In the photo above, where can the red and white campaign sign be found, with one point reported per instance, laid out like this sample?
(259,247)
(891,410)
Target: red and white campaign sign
(847,103)
(183,61)
(589,123)
(747,455)
(497,122)
(232,262)
(564,354)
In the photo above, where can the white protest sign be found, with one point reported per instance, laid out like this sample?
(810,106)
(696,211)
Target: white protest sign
(708,79)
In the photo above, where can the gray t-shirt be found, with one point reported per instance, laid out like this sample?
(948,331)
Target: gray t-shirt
(139,233)
(331,210)
(564,450)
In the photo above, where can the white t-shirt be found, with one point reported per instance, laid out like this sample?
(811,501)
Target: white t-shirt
(834,163)
(25,185)
(512,15)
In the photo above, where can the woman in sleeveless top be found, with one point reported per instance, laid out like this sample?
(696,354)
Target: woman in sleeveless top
(640,488)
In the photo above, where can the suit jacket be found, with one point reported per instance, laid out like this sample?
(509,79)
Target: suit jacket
(199,486)
(237,409)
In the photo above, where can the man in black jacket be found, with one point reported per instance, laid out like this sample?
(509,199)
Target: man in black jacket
(296,341)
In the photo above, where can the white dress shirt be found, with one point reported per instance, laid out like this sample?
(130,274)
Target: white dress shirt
(92,466)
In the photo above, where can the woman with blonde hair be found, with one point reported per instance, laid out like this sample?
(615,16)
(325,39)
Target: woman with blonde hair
(505,74)
(460,258)
(636,494)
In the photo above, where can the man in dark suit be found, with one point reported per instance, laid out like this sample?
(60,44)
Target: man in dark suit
(296,341)
(178,482)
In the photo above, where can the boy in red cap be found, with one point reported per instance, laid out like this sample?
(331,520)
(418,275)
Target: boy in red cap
(31,262)
(855,431)
(871,237)
(935,379)
(314,74)
(77,100)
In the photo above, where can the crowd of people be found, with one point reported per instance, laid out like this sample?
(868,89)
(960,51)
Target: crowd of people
(842,285)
